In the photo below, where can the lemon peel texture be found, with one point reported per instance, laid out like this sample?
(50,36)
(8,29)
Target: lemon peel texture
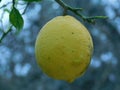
(64,48)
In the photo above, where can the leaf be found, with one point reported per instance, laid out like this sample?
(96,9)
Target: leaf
(16,19)
(32,0)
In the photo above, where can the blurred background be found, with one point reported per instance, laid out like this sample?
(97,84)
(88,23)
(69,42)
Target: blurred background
(18,68)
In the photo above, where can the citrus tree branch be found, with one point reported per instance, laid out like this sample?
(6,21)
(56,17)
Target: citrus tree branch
(77,12)
(5,33)
(3,6)
(26,8)
(9,28)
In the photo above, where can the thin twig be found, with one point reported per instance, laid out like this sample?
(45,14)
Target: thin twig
(26,8)
(76,11)
(66,7)
(3,6)
(5,33)
(1,18)
(9,28)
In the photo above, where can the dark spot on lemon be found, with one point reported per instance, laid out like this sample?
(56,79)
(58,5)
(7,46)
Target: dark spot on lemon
(49,58)
(72,51)
(72,32)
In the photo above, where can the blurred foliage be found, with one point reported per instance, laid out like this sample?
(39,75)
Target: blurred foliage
(18,68)
(32,0)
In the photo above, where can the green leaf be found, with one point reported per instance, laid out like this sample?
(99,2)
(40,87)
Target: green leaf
(32,0)
(16,19)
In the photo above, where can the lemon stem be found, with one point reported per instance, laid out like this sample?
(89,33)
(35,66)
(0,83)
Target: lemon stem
(77,11)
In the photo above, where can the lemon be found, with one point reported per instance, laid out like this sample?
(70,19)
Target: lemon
(64,48)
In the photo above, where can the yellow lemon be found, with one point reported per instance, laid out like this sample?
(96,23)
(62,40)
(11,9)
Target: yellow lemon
(64,48)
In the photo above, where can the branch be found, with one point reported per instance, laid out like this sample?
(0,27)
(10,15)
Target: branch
(77,12)
(5,33)
(5,5)
(25,8)
(10,27)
